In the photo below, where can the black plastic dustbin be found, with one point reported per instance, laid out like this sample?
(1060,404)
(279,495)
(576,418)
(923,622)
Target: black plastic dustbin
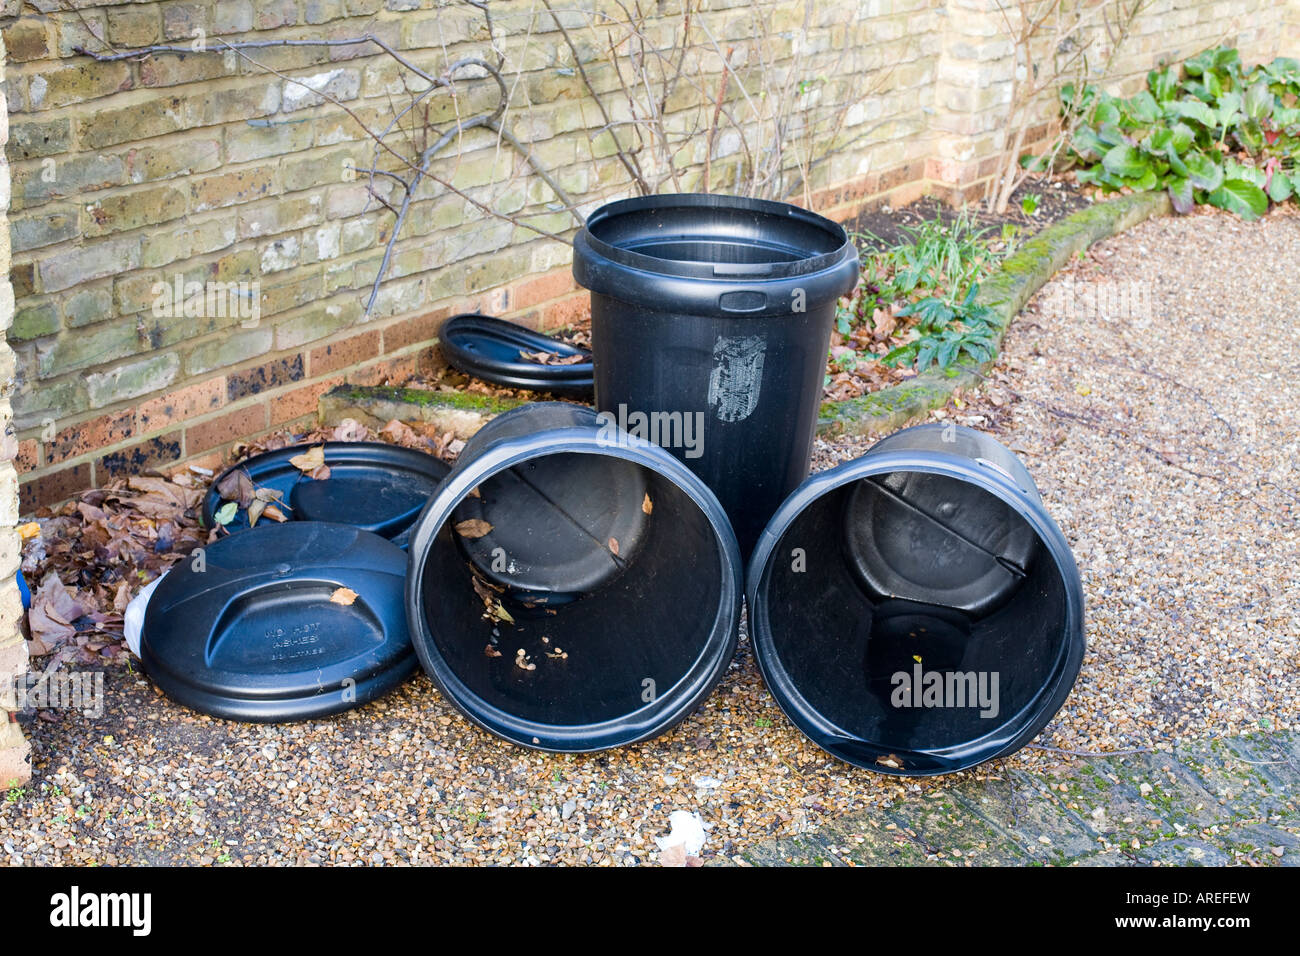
(571,588)
(916,611)
(710,321)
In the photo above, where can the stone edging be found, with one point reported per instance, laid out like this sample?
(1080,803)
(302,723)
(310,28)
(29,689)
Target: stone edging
(1020,276)
(460,413)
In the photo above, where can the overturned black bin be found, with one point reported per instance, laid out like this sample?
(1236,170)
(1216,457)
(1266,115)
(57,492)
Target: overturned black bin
(710,322)
(916,611)
(572,588)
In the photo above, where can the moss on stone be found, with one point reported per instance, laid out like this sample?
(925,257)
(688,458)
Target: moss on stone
(425,398)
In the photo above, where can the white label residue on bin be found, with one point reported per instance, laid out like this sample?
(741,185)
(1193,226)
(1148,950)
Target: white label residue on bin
(737,376)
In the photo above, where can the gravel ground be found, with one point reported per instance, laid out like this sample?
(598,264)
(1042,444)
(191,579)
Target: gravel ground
(1159,432)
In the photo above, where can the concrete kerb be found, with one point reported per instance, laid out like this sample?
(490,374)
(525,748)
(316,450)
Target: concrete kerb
(460,413)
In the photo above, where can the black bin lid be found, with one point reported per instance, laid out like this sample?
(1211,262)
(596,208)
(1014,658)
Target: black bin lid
(255,627)
(372,486)
(489,348)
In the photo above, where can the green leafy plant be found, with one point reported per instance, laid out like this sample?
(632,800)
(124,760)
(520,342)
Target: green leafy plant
(945,331)
(1029,204)
(1214,132)
(928,281)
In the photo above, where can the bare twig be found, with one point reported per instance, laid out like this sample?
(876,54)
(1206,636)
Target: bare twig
(419,166)
(1050,41)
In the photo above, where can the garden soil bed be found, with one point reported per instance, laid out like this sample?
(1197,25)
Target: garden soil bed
(1057,198)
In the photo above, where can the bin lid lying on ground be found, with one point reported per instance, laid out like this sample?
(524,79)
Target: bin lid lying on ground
(490,349)
(283,622)
(373,486)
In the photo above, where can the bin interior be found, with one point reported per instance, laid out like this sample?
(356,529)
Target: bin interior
(889,589)
(608,634)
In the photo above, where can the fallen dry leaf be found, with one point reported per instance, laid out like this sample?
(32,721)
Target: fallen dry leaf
(883,323)
(309,460)
(613,546)
(237,486)
(551,358)
(647,505)
(255,509)
(344,596)
(674,855)
(351,430)
(472,528)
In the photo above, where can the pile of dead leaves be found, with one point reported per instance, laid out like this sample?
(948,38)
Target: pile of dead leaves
(854,366)
(93,554)
(418,435)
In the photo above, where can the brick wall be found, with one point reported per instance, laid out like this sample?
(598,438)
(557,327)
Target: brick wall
(974,85)
(14,751)
(129,176)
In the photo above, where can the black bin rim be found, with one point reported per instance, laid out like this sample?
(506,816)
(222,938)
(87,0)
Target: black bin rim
(718,289)
(778,211)
(653,721)
(1028,723)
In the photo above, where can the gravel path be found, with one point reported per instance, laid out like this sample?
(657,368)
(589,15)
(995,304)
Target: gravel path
(1160,433)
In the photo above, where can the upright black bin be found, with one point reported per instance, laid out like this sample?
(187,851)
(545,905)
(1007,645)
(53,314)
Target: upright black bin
(916,611)
(571,588)
(710,321)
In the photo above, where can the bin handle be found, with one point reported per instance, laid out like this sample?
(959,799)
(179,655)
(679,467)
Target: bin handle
(742,268)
